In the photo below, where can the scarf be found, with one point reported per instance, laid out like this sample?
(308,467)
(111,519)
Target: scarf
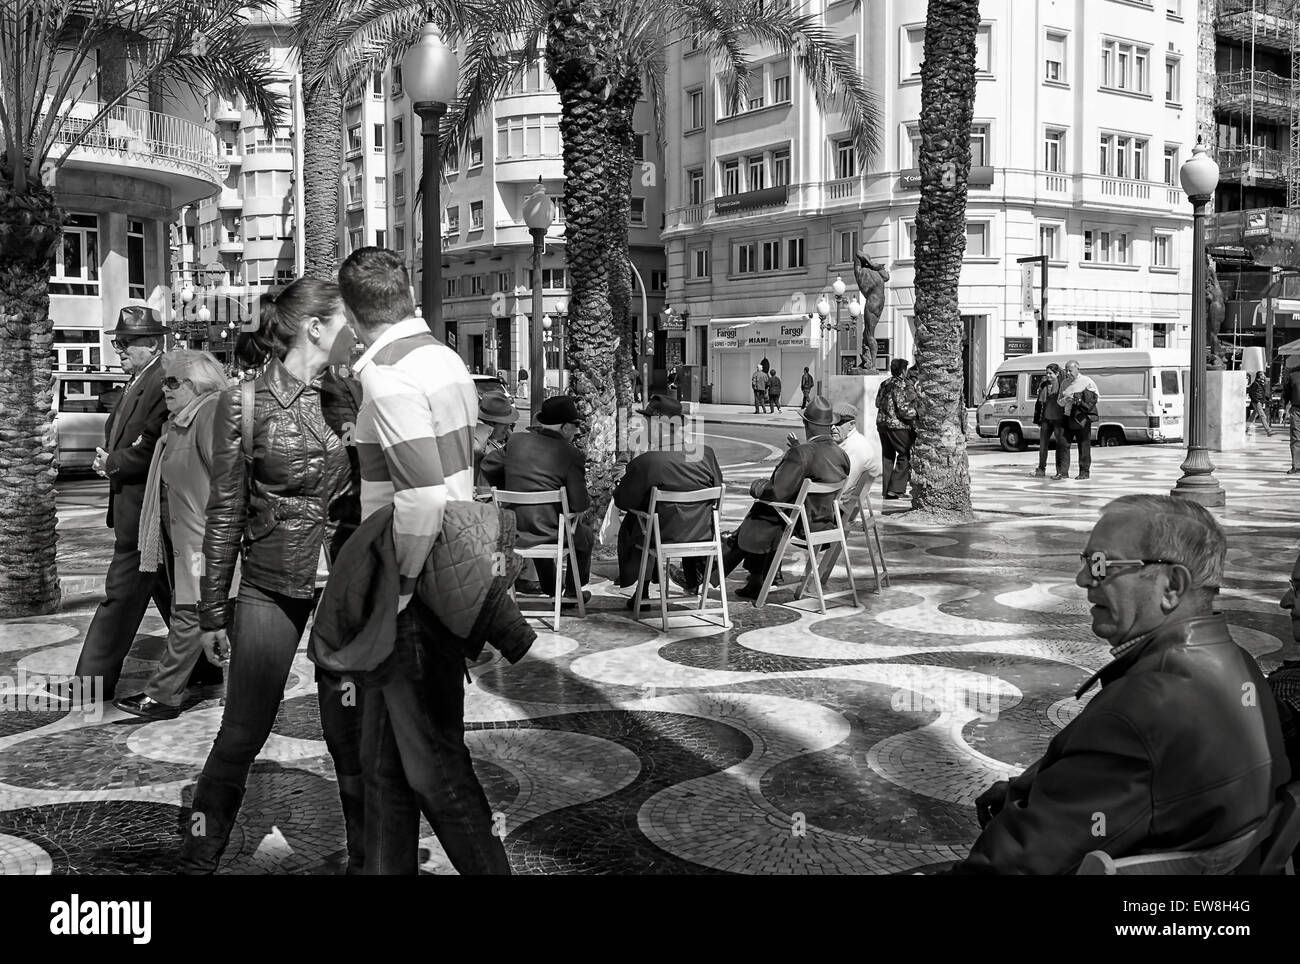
(150,540)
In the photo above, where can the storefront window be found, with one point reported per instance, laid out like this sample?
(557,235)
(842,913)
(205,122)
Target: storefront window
(1103,334)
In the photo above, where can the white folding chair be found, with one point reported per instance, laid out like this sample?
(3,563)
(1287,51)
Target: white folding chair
(796,513)
(558,552)
(870,529)
(665,551)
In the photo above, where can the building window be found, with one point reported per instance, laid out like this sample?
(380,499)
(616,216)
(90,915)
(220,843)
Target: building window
(844,245)
(754,171)
(907,241)
(977,239)
(505,282)
(1049,241)
(76,348)
(1160,335)
(755,101)
(695,186)
(453,219)
(1106,247)
(979,145)
(356,239)
(794,253)
(638,212)
(658,280)
(354,138)
(476,152)
(399,238)
(638,147)
(1054,151)
(532,136)
(475,215)
(1124,66)
(743,258)
(771,255)
(76,260)
(379,137)
(396,87)
(700,263)
(450,287)
(478,284)
(913,51)
(135,286)
(1105,334)
(781,89)
(381,192)
(1172,95)
(1171,165)
(695,108)
(781,167)
(555,279)
(399,185)
(399,133)
(377,84)
(846,162)
(1162,250)
(731,177)
(1122,156)
(1054,58)
(557,207)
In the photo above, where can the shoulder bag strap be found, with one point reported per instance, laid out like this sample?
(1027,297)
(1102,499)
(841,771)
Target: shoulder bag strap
(246,419)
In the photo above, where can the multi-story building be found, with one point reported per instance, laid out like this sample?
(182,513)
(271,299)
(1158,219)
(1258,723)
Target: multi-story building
(123,187)
(1082,119)
(486,247)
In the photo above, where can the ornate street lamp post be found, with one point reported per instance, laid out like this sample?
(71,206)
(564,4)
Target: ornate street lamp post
(538,214)
(837,289)
(823,313)
(1199,176)
(429,76)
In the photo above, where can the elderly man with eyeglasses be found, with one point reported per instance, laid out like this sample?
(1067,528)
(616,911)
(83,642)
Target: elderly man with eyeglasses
(1181,748)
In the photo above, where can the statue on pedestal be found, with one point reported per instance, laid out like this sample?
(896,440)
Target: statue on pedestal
(871,278)
(1215,311)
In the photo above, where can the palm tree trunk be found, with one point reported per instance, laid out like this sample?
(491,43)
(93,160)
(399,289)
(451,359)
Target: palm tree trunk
(322,152)
(29,228)
(940,468)
(579,31)
(617,226)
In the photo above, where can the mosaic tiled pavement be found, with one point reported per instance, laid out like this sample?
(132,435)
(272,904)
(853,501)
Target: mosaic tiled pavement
(850,742)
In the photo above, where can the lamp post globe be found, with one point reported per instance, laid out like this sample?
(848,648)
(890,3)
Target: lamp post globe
(823,307)
(429,75)
(538,212)
(838,287)
(855,309)
(1199,175)
(187,294)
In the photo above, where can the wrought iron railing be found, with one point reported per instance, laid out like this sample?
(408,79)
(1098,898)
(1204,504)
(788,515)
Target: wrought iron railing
(143,136)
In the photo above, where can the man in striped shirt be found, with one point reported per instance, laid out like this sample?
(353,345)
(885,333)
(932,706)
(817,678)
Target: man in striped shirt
(414,439)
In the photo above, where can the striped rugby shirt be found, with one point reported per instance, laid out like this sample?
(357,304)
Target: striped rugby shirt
(414,438)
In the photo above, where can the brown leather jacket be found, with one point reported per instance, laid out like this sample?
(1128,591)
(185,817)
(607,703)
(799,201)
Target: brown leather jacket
(1180,750)
(299,468)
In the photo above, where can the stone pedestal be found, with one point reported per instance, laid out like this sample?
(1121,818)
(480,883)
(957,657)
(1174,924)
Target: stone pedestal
(1225,410)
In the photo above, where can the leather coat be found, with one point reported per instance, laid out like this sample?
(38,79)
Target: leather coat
(1181,750)
(281,519)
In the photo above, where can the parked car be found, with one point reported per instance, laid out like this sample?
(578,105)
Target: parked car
(82,404)
(1140,396)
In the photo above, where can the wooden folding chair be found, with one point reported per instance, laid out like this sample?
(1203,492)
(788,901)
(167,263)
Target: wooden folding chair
(796,513)
(557,552)
(665,551)
(870,528)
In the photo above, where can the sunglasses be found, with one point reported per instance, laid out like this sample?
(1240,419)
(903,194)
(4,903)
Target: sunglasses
(121,344)
(171,383)
(1099,567)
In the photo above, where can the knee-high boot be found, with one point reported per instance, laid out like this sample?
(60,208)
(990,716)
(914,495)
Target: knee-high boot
(212,816)
(352,794)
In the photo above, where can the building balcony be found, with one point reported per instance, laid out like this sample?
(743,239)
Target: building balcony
(230,200)
(526,170)
(231,244)
(1123,192)
(143,144)
(1260,165)
(1267,22)
(227,114)
(1262,92)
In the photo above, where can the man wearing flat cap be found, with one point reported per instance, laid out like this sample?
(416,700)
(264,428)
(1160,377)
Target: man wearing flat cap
(818,458)
(665,464)
(544,459)
(130,435)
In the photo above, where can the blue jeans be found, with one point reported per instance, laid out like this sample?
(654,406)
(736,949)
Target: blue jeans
(264,635)
(413,751)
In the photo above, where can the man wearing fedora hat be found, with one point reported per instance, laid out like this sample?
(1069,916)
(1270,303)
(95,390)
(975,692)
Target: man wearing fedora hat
(544,459)
(129,438)
(496,418)
(665,464)
(818,458)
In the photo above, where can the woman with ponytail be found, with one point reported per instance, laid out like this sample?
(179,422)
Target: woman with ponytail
(277,466)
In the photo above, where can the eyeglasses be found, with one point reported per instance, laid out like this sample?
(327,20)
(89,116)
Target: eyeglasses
(171,383)
(120,344)
(1099,566)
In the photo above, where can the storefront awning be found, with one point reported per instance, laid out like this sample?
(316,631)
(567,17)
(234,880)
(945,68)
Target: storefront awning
(743,320)
(759,331)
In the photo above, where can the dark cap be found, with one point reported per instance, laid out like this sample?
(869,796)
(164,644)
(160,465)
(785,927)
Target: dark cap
(558,410)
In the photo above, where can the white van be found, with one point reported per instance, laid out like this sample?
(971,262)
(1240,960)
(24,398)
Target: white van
(82,402)
(1140,395)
